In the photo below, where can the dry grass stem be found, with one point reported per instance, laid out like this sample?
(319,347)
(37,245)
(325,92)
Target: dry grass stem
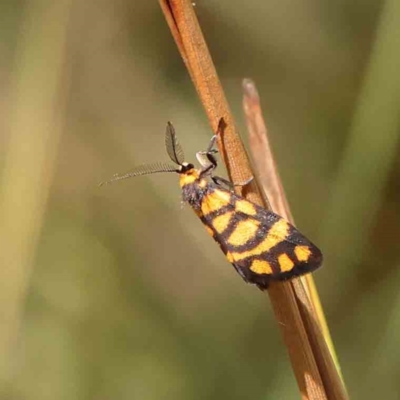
(193,48)
(304,290)
(190,41)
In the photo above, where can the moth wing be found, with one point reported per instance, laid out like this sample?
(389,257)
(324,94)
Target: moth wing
(261,245)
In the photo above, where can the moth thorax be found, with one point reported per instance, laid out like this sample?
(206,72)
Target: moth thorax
(193,191)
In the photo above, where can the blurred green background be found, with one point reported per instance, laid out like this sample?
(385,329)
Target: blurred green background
(118,292)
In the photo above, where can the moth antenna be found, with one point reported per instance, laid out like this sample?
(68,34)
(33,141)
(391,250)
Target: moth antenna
(145,169)
(174,148)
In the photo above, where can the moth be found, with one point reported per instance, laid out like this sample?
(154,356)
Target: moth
(261,245)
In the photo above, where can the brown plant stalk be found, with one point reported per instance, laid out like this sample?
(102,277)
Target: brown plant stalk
(294,312)
(304,288)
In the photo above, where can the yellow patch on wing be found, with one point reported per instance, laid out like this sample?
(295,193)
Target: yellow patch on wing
(245,207)
(221,222)
(229,257)
(214,201)
(277,233)
(244,231)
(285,263)
(209,230)
(261,267)
(302,253)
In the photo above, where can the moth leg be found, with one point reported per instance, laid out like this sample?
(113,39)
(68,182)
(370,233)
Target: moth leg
(211,149)
(207,158)
(224,182)
(244,183)
(211,146)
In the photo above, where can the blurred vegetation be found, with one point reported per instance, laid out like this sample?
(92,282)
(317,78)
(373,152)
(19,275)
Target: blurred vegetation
(117,292)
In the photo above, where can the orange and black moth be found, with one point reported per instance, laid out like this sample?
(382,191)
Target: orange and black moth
(261,245)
